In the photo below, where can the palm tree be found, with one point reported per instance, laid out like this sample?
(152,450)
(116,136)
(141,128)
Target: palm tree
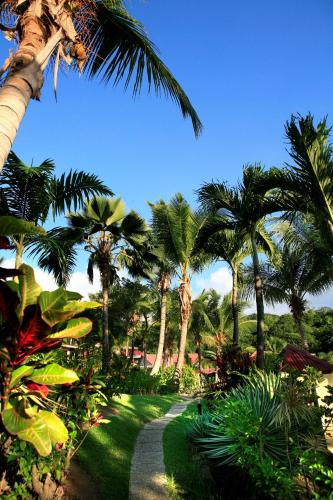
(212,322)
(307,183)
(113,239)
(243,208)
(32,192)
(204,316)
(291,275)
(230,246)
(164,275)
(176,229)
(98,37)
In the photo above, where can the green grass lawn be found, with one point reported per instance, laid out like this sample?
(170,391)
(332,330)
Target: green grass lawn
(107,452)
(187,478)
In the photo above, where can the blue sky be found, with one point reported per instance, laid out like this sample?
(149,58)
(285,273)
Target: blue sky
(246,67)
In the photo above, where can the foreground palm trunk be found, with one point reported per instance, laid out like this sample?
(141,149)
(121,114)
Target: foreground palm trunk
(164,287)
(25,77)
(234,305)
(259,302)
(185,295)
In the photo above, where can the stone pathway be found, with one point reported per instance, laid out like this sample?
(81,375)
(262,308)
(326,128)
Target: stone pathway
(148,480)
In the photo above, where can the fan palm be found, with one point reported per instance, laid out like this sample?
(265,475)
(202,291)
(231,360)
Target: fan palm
(230,246)
(32,192)
(243,208)
(176,228)
(307,183)
(113,238)
(291,275)
(98,37)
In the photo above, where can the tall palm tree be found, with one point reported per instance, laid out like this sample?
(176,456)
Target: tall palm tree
(307,182)
(176,229)
(32,192)
(113,238)
(230,246)
(164,275)
(98,37)
(291,275)
(243,208)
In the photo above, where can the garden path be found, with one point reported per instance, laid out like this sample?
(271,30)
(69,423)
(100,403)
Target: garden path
(148,479)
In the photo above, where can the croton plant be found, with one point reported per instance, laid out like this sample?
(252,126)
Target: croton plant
(33,321)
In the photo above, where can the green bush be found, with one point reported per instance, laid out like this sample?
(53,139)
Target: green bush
(128,379)
(189,380)
(262,428)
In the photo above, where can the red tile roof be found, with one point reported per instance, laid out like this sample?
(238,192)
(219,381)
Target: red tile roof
(298,359)
(208,371)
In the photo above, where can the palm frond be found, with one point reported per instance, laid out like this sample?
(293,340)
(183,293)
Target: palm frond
(54,255)
(70,191)
(120,49)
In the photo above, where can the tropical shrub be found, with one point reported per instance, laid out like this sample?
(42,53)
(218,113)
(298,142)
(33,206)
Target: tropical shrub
(32,323)
(189,380)
(260,430)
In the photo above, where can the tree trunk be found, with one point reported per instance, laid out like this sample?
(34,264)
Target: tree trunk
(159,355)
(145,342)
(25,76)
(199,353)
(127,346)
(259,302)
(234,305)
(185,295)
(106,334)
(298,318)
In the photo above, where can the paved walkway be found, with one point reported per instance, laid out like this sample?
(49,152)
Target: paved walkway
(148,480)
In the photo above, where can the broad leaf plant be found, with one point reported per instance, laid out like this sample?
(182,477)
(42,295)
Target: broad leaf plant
(33,321)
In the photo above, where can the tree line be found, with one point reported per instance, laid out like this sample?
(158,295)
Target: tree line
(283,213)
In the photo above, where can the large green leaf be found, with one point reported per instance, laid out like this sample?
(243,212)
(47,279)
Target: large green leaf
(75,329)
(11,225)
(56,308)
(53,374)
(55,426)
(73,295)
(52,304)
(38,435)
(14,422)
(22,371)
(28,289)
(75,307)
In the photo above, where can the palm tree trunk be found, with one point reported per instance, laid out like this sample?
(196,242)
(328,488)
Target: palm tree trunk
(234,305)
(199,353)
(259,302)
(25,77)
(127,346)
(185,296)
(106,334)
(159,355)
(298,318)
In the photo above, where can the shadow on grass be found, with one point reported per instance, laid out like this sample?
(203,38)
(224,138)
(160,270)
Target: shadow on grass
(107,452)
